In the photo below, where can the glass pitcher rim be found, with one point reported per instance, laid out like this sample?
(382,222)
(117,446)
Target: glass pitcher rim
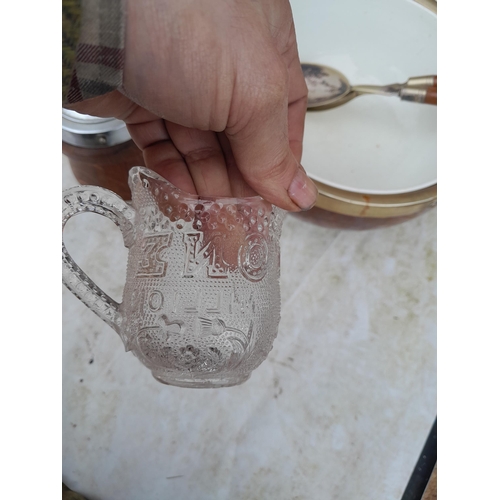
(135,171)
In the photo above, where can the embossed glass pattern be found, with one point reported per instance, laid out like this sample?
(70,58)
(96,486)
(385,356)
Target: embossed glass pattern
(201,303)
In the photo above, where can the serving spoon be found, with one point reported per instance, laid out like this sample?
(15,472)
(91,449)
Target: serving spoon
(328,88)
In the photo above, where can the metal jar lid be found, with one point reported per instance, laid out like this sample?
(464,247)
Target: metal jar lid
(87,131)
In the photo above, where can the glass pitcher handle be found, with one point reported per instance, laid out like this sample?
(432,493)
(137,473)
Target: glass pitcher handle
(100,201)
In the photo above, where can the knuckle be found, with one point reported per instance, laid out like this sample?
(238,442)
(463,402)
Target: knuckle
(268,85)
(201,154)
(275,87)
(259,102)
(280,171)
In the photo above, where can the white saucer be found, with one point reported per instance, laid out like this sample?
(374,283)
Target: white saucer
(373,145)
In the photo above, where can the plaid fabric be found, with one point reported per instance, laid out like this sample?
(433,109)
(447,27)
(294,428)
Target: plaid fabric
(71,21)
(98,57)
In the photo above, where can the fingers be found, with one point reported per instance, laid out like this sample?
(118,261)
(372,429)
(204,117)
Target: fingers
(160,154)
(260,143)
(205,160)
(148,132)
(190,159)
(239,186)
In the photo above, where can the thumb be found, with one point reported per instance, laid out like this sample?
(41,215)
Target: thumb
(262,152)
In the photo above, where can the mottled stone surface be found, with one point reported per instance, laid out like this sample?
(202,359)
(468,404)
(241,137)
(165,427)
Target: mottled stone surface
(340,409)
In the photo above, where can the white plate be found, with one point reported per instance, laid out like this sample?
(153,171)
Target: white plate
(373,144)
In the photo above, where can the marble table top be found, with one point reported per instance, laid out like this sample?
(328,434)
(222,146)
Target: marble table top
(339,410)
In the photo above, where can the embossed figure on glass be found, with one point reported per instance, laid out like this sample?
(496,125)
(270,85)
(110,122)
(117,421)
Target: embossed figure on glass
(201,303)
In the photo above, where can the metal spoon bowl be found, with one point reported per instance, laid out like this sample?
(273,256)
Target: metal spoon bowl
(328,88)
(325,85)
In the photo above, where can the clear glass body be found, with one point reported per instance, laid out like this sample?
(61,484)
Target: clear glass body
(201,303)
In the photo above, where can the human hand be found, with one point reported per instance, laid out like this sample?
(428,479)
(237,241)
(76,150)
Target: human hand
(214,96)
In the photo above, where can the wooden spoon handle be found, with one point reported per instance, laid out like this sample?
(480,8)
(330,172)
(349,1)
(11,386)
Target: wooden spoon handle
(431,96)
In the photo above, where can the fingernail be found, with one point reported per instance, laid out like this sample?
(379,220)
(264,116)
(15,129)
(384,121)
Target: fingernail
(302,190)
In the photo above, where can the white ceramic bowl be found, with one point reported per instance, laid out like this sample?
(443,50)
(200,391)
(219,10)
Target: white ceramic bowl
(373,145)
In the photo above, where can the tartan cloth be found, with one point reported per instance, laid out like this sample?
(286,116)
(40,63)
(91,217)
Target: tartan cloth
(93,48)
